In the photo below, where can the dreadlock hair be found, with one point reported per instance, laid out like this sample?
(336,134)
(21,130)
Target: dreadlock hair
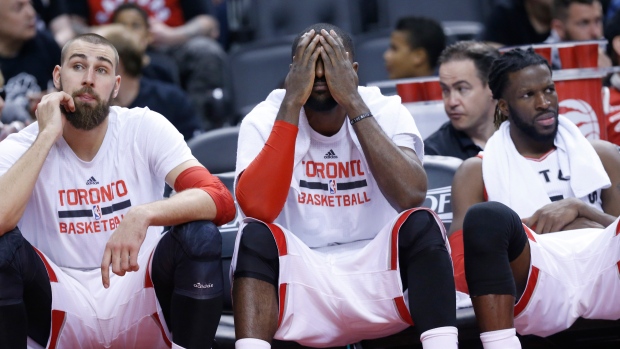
(510,62)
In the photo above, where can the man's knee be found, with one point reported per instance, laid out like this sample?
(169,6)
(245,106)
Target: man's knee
(492,226)
(10,243)
(257,256)
(196,259)
(420,232)
(199,240)
(493,236)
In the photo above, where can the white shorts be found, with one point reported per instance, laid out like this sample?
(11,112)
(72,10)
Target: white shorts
(86,315)
(342,294)
(573,274)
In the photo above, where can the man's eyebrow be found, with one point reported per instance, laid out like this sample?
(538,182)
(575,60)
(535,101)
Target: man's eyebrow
(83,56)
(79,55)
(105,59)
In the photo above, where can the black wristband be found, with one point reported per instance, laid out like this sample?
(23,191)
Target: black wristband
(360,118)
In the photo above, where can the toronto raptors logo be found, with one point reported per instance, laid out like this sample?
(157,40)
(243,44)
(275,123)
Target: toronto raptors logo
(582,114)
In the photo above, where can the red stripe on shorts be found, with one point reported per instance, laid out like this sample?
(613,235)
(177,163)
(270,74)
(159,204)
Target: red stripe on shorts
(278,234)
(402,310)
(529,290)
(58,322)
(394,242)
(147,276)
(282,302)
(617,229)
(50,271)
(161,328)
(529,233)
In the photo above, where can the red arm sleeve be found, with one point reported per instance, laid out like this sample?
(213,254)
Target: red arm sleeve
(263,186)
(458,260)
(200,178)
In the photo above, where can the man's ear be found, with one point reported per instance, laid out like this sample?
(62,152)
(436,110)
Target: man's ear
(559,28)
(117,86)
(419,56)
(615,44)
(356,66)
(503,107)
(56,77)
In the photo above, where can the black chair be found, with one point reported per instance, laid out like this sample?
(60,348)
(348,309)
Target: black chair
(277,18)
(258,69)
(440,170)
(446,10)
(369,49)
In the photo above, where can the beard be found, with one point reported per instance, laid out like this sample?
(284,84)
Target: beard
(86,116)
(530,130)
(321,102)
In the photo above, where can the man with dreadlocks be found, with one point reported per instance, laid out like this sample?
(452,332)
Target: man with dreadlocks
(537,175)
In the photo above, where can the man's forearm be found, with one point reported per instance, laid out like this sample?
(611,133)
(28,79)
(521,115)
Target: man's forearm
(202,25)
(595,215)
(402,180)
(186,206)
(17,184)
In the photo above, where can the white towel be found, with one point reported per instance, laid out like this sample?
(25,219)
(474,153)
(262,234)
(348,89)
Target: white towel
(256,127)
(509,178)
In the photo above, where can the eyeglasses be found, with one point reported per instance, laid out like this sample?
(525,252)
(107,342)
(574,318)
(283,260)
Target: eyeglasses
(3,93)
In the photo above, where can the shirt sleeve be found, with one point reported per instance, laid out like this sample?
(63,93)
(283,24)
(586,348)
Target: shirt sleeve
(162,143)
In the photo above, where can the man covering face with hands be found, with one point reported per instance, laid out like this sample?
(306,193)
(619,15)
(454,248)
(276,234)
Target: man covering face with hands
(330,179)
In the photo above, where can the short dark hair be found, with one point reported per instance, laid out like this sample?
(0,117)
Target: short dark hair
(426,33)
(612,29)
(130,6)
(91,38)
(481,54)
(510,62)
(559,10)
(347,41)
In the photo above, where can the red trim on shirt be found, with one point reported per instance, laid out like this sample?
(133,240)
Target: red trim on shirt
(529,291)
(542,158)
(155,317)
(401,306)
(58,322)
(282,293)
(617,229)
(50,271)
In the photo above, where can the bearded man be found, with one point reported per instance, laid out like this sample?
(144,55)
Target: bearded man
(82,190)
(329,176)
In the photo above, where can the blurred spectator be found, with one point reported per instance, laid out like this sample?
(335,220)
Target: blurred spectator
(13,127)
(54,15)
(138,91)
(184,30)
(463,75)
(518,22)
(577,20)
(415,45)
(27,57)
(156,65)
(612,34)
